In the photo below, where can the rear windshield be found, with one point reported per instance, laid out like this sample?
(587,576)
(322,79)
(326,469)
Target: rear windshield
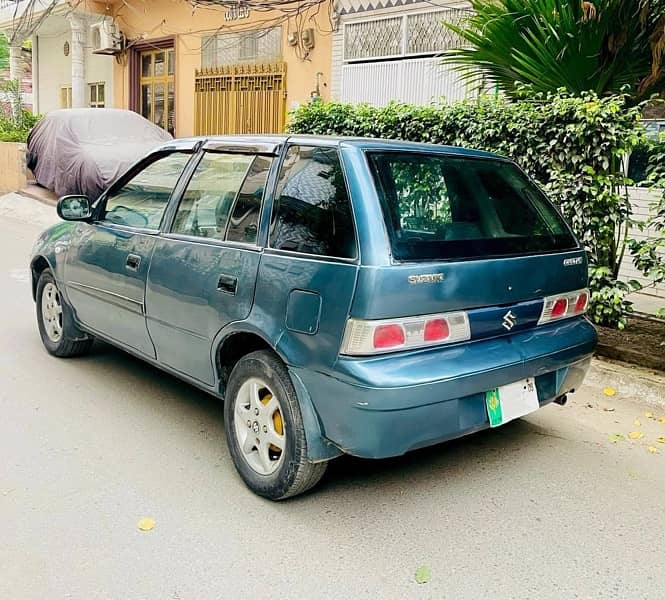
(447,207)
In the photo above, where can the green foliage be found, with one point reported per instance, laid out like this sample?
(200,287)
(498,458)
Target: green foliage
(649,254)
(4,52)
(573,146)
(15,121)
(608,46)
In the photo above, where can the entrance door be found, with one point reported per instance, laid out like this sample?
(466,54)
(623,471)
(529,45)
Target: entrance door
(157,87)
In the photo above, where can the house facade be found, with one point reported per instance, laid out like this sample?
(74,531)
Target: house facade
(203,67)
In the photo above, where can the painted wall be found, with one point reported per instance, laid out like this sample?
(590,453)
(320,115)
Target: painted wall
(13,172)
(160,18)
(55,69)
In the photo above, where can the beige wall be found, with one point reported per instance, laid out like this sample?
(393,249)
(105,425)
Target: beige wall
(12,167)
(161,18)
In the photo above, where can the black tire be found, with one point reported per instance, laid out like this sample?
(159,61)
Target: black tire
(295,474)
(72,341)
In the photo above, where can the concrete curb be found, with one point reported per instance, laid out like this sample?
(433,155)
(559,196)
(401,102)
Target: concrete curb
(628,380)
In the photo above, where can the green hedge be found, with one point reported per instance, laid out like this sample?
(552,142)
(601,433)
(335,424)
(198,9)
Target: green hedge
(572,145)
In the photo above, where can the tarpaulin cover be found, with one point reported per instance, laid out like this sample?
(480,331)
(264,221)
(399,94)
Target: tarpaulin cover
(83,150)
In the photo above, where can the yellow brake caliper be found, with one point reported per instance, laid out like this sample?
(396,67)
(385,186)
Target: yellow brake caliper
(276,421)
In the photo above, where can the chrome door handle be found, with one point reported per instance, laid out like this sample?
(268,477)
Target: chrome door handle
(133,262)
(228,284)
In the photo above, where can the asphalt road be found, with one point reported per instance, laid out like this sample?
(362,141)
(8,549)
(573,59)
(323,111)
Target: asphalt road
(545,507)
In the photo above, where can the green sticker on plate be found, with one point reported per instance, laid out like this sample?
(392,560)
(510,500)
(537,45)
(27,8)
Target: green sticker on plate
(493,404)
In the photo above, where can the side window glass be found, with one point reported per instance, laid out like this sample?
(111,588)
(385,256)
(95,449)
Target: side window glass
(244,222)
(211,194)
(141,202)
(312,211)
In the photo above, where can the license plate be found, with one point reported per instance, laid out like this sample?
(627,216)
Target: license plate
(511,401)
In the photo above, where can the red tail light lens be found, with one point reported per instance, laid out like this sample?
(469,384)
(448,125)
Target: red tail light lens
(389,336)
(582,301)
(436,330)
(563,306)
(559,308)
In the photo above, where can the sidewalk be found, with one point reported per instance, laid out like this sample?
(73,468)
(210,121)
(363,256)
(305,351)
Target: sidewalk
(17,207)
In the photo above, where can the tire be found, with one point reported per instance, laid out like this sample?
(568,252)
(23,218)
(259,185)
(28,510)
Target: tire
(57,329)
(260,400)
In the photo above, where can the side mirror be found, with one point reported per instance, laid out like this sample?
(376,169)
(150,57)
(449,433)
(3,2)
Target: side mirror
(74,208)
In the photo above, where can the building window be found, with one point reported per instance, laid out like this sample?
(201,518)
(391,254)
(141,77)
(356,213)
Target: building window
(417,34)
(65,96)
(97,96)
(249,47)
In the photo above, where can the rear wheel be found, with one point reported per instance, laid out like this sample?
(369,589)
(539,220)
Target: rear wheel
(59,334)
(264,429)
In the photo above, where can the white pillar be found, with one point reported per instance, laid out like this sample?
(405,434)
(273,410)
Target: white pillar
(79,91)
(15,63)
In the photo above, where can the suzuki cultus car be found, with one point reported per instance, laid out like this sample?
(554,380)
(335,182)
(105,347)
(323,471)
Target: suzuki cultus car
(342,296)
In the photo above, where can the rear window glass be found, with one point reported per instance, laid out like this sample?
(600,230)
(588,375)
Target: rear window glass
(445,207)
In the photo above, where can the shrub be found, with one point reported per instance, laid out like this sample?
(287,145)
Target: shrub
(573,146)
(15,121)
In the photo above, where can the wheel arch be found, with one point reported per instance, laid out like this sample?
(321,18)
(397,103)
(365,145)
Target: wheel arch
(37,266)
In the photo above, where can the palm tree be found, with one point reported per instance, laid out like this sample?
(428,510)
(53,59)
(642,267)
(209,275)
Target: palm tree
(607,46)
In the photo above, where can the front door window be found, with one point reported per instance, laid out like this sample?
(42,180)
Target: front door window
(157,87)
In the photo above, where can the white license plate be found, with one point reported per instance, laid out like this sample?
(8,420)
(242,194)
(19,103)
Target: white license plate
(511,401)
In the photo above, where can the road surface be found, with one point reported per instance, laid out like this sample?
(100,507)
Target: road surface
(551,506)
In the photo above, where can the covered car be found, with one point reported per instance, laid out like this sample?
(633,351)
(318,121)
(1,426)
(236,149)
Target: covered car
(82,150)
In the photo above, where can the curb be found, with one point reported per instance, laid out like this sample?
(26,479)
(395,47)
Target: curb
(37,197)
(629,380)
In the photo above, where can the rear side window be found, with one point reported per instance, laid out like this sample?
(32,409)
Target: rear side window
(444,207)
(312,211)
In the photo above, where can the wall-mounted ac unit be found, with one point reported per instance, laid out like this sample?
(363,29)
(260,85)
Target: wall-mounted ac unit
(106,38)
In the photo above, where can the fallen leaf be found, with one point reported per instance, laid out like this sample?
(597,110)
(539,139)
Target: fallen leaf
(637,423)
(609,391)
(653,449)
(648,415)
(146,524)
(423,574)
(617,437)
(662,420)
(632,473)
(635,435)
(609,409)
(661,440)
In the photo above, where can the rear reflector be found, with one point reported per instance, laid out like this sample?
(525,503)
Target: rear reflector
(563,306)
(376,337)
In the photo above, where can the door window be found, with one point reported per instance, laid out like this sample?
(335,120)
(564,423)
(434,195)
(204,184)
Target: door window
(157,85)
(211,195)
(312,211)
(142,200)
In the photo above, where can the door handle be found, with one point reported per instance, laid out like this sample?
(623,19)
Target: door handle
(227,284)
(133,262)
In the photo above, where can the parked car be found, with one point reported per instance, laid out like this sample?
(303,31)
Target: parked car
(341,296)
(83,150)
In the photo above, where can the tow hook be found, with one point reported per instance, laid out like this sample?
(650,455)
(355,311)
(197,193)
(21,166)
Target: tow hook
(561,400)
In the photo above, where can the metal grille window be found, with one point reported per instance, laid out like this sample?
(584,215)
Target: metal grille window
(249,47)
(425,32)
(410,34)
(372,39)
(97,96)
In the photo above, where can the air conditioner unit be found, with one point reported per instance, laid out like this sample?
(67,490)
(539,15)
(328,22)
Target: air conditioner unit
(105,38)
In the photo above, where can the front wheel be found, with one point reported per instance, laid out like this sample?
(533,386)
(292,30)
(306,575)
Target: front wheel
(59,334)
(264,429)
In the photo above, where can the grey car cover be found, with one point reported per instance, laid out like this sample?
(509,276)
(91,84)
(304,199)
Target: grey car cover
(83,150)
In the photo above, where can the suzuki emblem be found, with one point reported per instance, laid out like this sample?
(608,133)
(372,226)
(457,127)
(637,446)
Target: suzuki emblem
(509,320)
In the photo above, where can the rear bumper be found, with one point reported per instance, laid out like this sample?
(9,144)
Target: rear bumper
(385,406)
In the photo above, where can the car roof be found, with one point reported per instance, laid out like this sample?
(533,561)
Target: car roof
(362,143)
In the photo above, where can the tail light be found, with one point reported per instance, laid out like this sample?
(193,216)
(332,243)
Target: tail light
(376,337)
(563,306)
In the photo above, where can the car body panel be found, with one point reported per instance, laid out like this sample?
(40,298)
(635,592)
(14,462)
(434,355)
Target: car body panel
(298,304)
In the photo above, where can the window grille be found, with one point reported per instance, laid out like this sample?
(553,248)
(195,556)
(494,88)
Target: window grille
(406,35)
(249,47)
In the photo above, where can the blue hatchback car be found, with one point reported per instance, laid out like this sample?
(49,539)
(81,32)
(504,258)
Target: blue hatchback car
(342,296)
